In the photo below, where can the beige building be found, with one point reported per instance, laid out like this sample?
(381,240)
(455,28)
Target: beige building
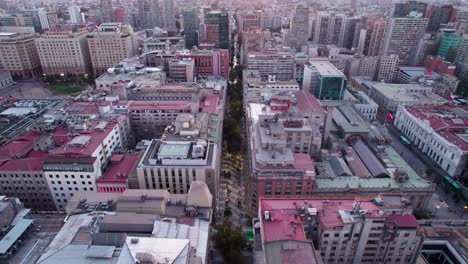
(64,51)
(182,70)
(110,44)
(253,40)
(18,54)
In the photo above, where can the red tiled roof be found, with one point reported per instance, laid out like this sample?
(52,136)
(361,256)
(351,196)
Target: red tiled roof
(60,136)
(303,161)
(18,144)
(96,138)
(442,120)
(307,101)
(156,105)
(210,104)
(120,168)
(404,221)
(32,162)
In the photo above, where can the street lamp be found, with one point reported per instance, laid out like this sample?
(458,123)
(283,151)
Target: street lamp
(435,212)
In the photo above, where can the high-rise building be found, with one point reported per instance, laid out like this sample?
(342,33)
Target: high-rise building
(48,18)
(168,22)
(330,28)
(402,36)
(107,9)
(461,60)
(272,62)
(350,32)
(271,21)
(18,54)
(449,43)
(249,20)
(297,35)
(324,80)
(387,68)
(253,39)
(439,15)
(119,14)
(75,15)
(409,9)
(109,45)
(217,29)
(191,26)
(64,51)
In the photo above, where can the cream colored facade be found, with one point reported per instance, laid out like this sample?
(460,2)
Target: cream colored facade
(110,45)
(18,54)
(64,51)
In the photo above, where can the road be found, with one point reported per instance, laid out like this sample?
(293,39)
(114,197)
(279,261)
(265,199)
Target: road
(441,205)
(30,89)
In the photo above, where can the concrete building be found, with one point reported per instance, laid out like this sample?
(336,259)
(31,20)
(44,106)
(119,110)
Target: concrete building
(107,9)
(6,79)
(191,26)
(363,104)
(182,70)
(438,131)
(396,39)
(64,51)
(336,230)
(109,45)
(297,36)
(75,15)
(249,20)
(253,40)
(280,136)
(19,56)
(48,18)
(208,62)
(330,28)
(324,80)
(390,96)
(271,21)
(76,163)
(185,153)
(258,90)
(387,68)
(217,29)
(272,62)
(22,175)
(439,15)
(461,60)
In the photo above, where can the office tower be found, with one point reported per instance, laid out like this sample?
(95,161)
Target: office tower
(449,43)
(191,25)
(209,62)
(75,15)
(168,16)
(272,62)
(107,10)
(109,45)
(119,14)
(387,68)
(28,18)
(330,28)
(18,54)
(148,14)
(54,48)
(402,36)
(297,35)
(271,21)
(409,9)
(439,15)
(350,32)
(461,60)
(254,39)
(324,80)
(48,18)
(217,29)
(249,20)
(374,35)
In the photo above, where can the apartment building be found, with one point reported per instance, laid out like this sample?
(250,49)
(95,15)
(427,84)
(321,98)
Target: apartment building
(336,230)
(272,62)
(208,62)
(439,132)
(253,40)
(18,54)
(109,44)
(296,36)
(64,51)
(330,28)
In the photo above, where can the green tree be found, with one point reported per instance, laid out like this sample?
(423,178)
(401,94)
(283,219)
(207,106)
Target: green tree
(227,212)
(230,241)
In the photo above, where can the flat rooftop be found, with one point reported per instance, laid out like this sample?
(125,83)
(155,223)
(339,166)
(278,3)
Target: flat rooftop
(327,69)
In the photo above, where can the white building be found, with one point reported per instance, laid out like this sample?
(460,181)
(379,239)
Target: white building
(75,15)
(76,164)
(439,132)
